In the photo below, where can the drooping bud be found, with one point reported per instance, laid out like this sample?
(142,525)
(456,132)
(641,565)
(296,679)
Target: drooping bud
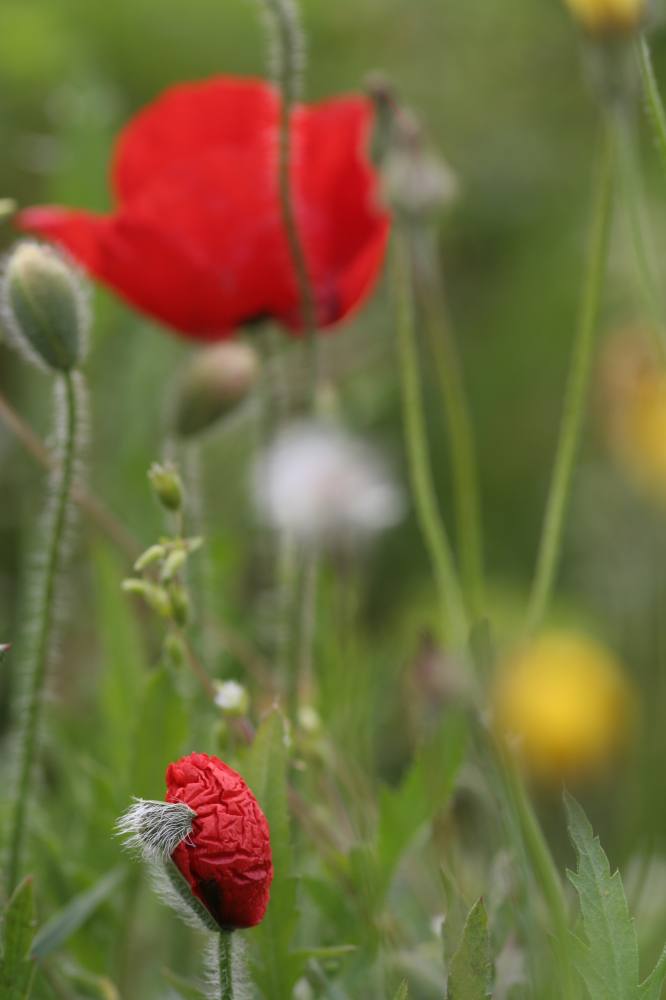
(216,381)
(604,18)
(167,485)
(417,182)
(44,307)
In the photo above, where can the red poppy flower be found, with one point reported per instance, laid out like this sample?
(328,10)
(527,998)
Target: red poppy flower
(227,858)
(197,238)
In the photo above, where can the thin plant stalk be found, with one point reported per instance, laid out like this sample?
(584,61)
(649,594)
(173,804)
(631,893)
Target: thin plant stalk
(448,368)
(427,508)
(653,101)
(576,391)
(632,195)
(225,965)
(28,736)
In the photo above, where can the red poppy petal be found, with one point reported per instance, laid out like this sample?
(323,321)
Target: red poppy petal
(193,119)
(342,224)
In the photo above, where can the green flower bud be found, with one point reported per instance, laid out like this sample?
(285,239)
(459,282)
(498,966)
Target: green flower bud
(180,604)
(174,650)
(173,563)
(154,596)
(44,307)
(167,485)
(217,380)
(150,556)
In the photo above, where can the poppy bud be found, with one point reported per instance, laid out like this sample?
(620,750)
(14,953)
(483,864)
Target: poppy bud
(226,859)
(167,485)
(44,307)
(609,17)
(4,648)
(217,380)
(417,182)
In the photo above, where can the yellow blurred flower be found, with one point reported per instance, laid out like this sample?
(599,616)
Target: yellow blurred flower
(634,404)
(608,17)
(565,704)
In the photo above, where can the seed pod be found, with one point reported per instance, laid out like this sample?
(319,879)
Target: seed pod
(167,485)
(44,307)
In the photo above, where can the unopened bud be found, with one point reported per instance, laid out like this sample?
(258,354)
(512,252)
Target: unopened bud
(180,604)
(150,556)
(173,564)
(232,698)
(603,18)
(417,182)
(174,650)
(167,485)
(44,307)
(217,379)
(155,597)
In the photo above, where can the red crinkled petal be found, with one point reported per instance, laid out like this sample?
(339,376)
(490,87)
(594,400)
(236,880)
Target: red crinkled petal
(190,120)
(227,858)
(198,240)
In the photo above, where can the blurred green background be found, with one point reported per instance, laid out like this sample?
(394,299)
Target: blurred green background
(502,88)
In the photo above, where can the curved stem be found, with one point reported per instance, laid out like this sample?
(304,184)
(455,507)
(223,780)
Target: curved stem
(225,962)
(576,392)
(427,509)
(37,669)
(461,434)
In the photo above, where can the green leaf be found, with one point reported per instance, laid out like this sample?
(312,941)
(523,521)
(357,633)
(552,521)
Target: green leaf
(651,989)
(424,791)
(17,970)
(62,925)
(161,734)
(403,991)
(608,959)
(276,968)
(471,967)
(185,989)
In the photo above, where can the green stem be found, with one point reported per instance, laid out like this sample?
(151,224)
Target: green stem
(427,509)
(653,102)
(289,46)
(576,392)
(632,193)
(37,670)
(225,965)
(461,434)
(543,868)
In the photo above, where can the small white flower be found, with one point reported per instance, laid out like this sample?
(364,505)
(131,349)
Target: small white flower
(231,697)
(322,486)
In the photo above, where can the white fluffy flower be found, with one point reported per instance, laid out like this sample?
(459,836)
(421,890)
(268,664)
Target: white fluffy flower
(322,486)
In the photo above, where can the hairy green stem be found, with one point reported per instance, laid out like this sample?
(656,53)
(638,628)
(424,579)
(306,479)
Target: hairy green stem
(576,392)
(448,368)
(427,508)
(36,671)
(225,958)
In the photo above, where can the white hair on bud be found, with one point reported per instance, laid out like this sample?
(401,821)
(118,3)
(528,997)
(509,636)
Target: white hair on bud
(242,985)
(323,487)
(165,880)
(286,43)
(155,829)
(25,251)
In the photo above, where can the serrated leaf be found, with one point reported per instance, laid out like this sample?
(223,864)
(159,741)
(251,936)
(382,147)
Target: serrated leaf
(403,991)
(276,967)
(17,970)
(651,989)
(471,966)
(608,959)
(426,788)
(162,712)
(67,921)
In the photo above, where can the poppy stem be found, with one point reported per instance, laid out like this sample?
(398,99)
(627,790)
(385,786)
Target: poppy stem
(550,545)
(225,963)
(288,47)
(35,670)
(425,497)
(448,368)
